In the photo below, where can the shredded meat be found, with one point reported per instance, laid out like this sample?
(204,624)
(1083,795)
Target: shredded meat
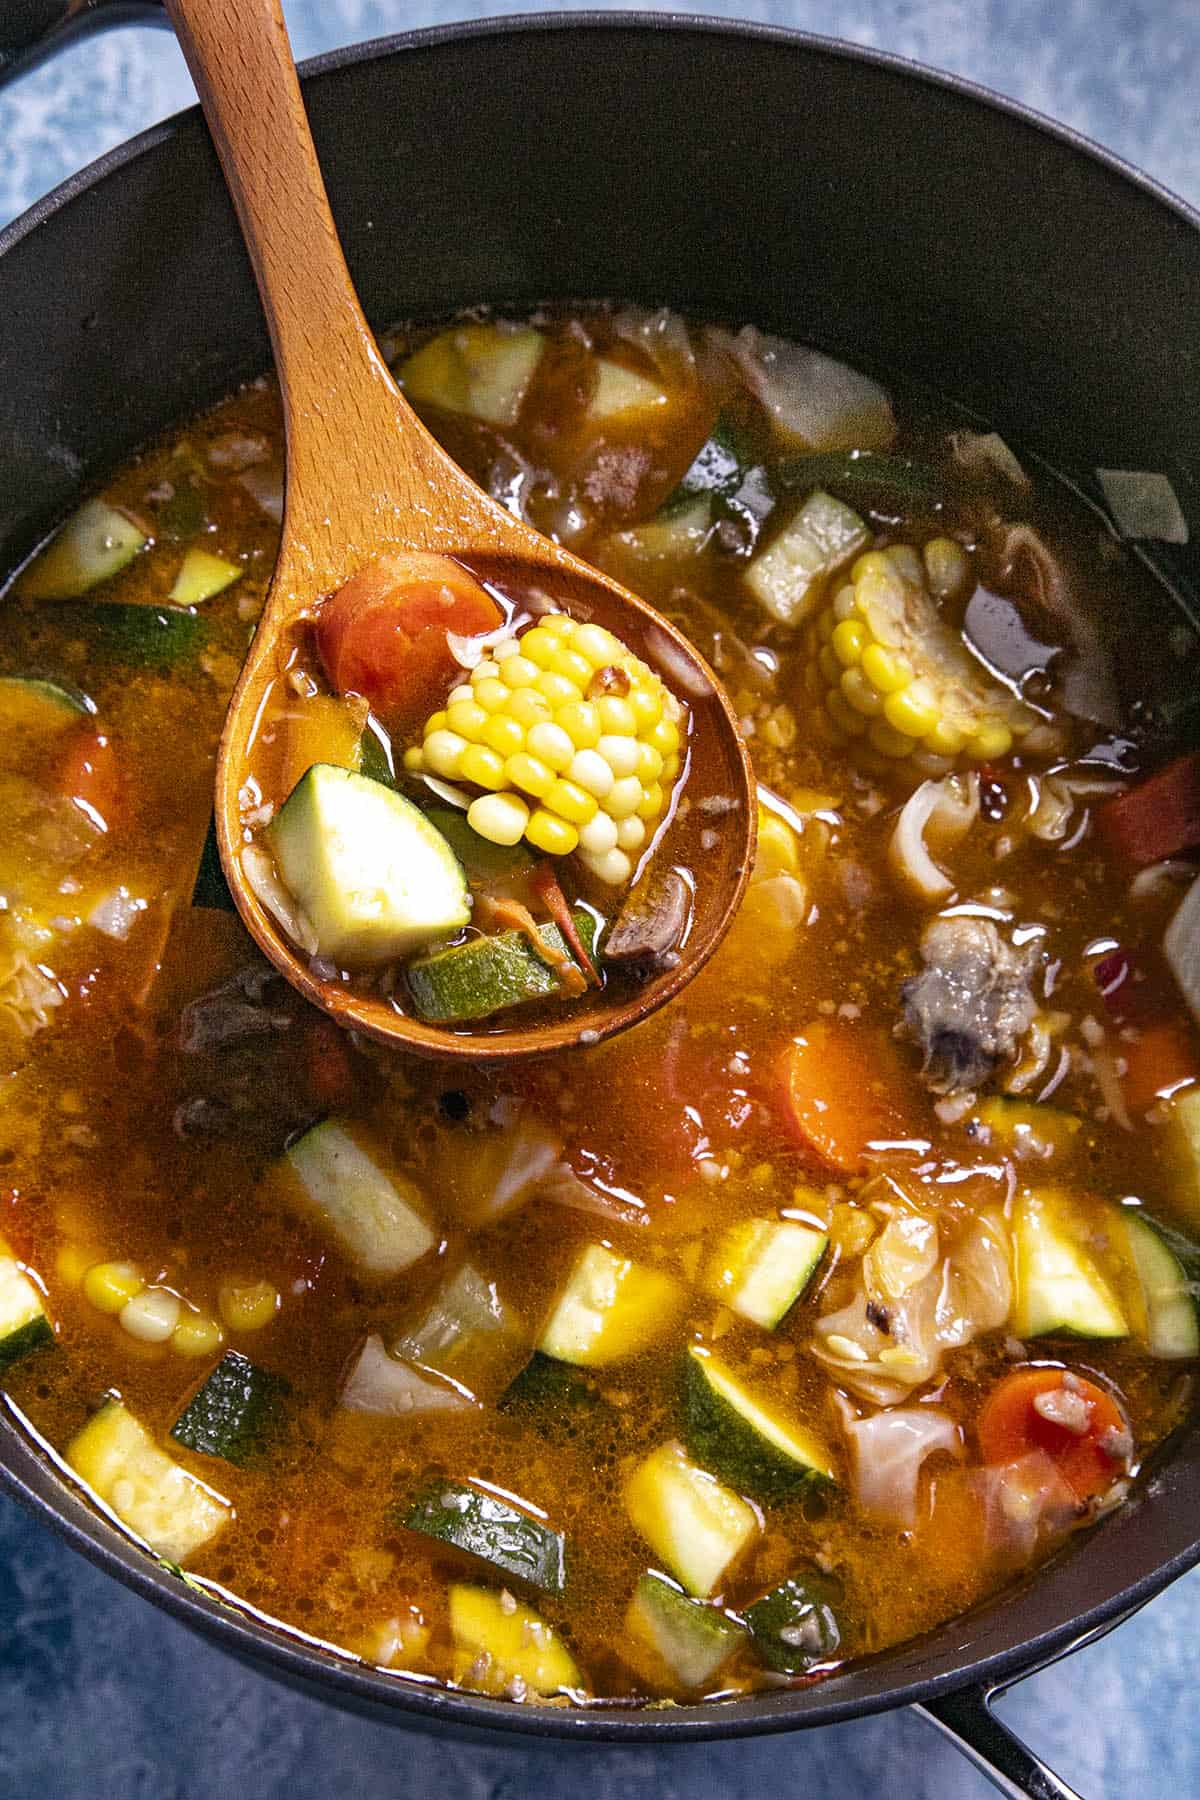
(970,1006)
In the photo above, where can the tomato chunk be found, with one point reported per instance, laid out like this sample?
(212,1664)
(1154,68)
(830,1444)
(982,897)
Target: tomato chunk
(840,1088)
(383,635)
(1158,818)
(1073,1420)
(89,774)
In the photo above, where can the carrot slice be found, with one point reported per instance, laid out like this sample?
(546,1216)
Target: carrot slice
(90,775)
(840,1088)
(1158,1061)
(1158,818)
(1088,1452)
(383,635)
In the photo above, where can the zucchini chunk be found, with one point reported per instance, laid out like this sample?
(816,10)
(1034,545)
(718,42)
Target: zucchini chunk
(469,1333)
(173,1512)
(716,472)
(732,1432)
(1060,1292)
(1182,1132)
(24,1326)
(761,1267)
(787,577)
(376,879)
(235,1414)
(698,1527)
(669,535)
(202,575)
(138,636)
(502,1647)
(377,1216)
(795,1625)
(481,370)
(489,974)
(94,544)
(621,395)
(481,1524)
(610,1308)
(39,709)
(1169,1294)
(674,1641)
(1028,1128)
(483,860)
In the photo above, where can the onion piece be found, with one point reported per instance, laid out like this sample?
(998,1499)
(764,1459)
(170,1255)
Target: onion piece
(889,1450)
(264,484)
(469,652)
(1143,505)
(950,807)
(986,451)
(682,672)
(116,913)
(453,796)
(663,335)
(813,400)
(263,881)
(387,1386)
(563,1187)
(1022,1501)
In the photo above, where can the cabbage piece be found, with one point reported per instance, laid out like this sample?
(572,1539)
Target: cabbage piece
(377,1382)
(888,1451)
(812,399)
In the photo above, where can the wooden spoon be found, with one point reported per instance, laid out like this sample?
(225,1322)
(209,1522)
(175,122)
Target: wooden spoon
(364,476)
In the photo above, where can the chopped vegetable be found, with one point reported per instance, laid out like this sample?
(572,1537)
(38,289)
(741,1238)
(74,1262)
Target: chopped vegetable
(24,1326)
(675,1642)
(173,1512)
(742,1437)
(897,481)
(760,1267)
(698,1527)
(796,1625)
(483,370)
(95,543)
(384,634)
(1182,947)
(481,1524)
(139,637)
(892,670)
(1074,1421)
(576,741)
(717,471)
(813,400)
(1060,1290)
(1182,1135)
(503,1647)
(486,975)
(235,1414)
(34,709)
(1167,1269)
(1158,1060)
(375,879)
(390,1387)
(469,1333)
(321,729)
(377,1216)
(1158,818)
(483,859)
(89,775)
(485,1173)
(202,575)
(840,1090)
(611,1308)
(788,576)
(674,532)
(1027,1128)
(622,396)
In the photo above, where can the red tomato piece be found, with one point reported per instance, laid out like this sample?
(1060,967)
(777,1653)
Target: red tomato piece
(1088,1448)
(1158,818)
(383,635)
(328,1065)
(839,1089)
(90,775)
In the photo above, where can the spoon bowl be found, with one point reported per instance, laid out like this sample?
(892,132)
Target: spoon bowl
(364,478)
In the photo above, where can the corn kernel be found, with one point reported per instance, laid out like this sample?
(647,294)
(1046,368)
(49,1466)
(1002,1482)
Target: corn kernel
(435,722)
(601,834)
(829,665)
(624,798)
(664,736)
(990,741)
(617,715)
(571,802)
(778,852)
(825,627)
(573,667)
(500,818)
(558,624)
(551,745)
(847,721)
(885,670)
(652,802)
(858,693)
(581,722)
(887,740)
(649,764)
(546,831)
(518,671)
(906,563)
(503,735)
(443,751)
(247,1305)
(614,868)
(946,566)
(871,562)
(843,603)
(539,645)
(671,768)
(492,695)
(631,834)
(848,641)
(196,1335)
(913,711)
(599,646)
(620,753)
(151,1316)
(482,766)
(528,707)
(556,688)
(647,707)
(529,774)
(414,759)
(110,1286)
(945,739)
(505,649)
(589,771)
(487,670)
(467,719)
(465,693)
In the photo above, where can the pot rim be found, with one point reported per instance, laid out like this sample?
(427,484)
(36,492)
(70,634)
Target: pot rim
(285,1652)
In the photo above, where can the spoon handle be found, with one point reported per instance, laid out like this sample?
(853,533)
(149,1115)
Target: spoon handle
(343,415)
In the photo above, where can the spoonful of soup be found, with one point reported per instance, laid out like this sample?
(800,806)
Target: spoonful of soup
(523,817)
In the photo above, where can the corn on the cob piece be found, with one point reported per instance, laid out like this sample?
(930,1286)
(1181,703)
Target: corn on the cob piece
(574,740)
(891,672)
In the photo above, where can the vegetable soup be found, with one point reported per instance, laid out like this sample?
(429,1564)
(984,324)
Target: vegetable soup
(769,1334)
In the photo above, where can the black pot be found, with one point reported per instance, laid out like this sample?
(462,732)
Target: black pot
(910,222)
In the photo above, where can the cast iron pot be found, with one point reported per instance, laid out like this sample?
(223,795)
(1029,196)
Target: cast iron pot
(911,222)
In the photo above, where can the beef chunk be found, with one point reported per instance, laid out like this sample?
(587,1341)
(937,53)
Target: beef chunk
(970,1006)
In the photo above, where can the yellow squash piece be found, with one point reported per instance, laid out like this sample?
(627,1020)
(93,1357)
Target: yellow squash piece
(481,370)
(610,1308)
(502,1647)
(173,1512)
(202,574)
(687,1517)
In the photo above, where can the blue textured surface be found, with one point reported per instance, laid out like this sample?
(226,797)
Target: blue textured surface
(100,1695)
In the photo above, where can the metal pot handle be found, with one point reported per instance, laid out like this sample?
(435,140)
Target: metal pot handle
(31,30)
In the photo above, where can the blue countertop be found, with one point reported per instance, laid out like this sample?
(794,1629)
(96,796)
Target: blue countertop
(102,1696)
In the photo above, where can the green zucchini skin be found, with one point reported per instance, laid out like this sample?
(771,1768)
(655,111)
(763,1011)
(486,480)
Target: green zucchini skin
(487,975)
(237,1414)
(795,1625)
(35,1334)
(720,1440)
(138,637)
(210,889)
(563,1401)
(857,473)
(483,1525)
